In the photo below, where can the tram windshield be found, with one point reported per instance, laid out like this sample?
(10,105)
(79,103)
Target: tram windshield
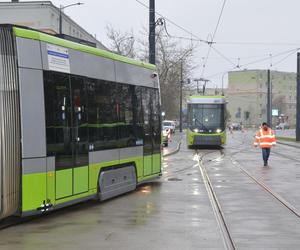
(206,117)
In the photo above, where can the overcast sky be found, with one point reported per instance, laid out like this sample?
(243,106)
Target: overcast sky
(249,29)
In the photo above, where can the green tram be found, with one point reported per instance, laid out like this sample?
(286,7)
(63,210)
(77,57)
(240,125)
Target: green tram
(76,122)
(206,121)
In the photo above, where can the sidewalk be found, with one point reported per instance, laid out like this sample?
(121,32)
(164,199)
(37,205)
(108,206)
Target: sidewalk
(174,144)
(287,137)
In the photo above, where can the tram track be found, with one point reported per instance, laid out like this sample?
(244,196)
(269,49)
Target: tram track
(261,184)
(217,209)
(275,195)
(206,158)
(227,237)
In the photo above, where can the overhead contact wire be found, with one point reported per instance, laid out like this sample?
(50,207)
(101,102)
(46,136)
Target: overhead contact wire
(213,37)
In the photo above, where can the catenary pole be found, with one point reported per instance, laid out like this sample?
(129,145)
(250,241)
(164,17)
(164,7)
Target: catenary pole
(180,105)
(298,100)
(269,100)
(152,32)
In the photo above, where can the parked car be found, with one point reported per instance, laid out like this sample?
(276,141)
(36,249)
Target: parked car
(236,126)
(164,138)
(168,124)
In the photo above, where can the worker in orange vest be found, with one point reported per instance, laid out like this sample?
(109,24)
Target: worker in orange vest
(266,139)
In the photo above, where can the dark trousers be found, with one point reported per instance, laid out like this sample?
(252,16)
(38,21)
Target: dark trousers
(266,153)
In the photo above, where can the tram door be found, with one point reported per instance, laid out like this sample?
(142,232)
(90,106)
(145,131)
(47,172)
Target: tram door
(151,132)
(148,131)
(156,138)
(79,135)
(66,131)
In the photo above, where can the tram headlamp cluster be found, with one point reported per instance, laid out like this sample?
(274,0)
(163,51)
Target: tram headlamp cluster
(218,130)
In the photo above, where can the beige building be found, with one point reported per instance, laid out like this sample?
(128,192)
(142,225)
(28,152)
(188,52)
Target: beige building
(247,97)
(44,16)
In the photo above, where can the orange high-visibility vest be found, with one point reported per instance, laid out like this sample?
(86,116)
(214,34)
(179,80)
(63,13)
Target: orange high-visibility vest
(266,139)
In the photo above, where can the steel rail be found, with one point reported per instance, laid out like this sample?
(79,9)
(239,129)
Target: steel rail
(275,195)
(227,239)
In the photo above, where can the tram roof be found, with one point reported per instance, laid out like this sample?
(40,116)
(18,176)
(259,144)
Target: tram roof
(199,99)
(41,36)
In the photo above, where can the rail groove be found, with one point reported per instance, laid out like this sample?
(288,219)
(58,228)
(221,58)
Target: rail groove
(227,239)
(275,195)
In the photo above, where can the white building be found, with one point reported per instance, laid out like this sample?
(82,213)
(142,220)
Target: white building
(247,96)
(44,16)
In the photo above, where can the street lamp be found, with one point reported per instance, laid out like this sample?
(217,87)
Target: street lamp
(60,14)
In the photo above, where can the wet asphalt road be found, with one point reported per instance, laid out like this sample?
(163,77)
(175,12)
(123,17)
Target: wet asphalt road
(174,212)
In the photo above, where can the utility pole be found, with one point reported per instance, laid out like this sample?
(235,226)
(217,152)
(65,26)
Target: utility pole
(152,32)
(180,105)
(298,99)
(269,100)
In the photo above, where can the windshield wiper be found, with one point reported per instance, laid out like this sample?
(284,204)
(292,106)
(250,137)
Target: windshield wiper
(201,124)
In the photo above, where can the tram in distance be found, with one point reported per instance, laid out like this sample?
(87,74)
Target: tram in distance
(76,122)
(206,121)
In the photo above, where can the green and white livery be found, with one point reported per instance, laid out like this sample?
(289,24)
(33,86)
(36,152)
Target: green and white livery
(76,122)
(206,121)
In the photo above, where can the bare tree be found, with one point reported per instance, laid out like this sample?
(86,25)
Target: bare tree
(170,57)
(121,43)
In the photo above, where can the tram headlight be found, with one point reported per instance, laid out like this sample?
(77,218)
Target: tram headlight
(196,130)
(218,130)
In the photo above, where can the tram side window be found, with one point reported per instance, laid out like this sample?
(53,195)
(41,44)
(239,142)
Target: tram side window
(58,118)
(126,122)
(103,118)
(138,119)
(147,116)
(79,120)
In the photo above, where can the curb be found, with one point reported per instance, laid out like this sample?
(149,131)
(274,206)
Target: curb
(173,152)
(288,144)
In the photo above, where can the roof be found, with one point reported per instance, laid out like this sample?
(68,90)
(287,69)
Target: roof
(46,5)
(40,36)
(198,99)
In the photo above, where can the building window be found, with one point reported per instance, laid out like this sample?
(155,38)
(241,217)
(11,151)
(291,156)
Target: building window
(238,113)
